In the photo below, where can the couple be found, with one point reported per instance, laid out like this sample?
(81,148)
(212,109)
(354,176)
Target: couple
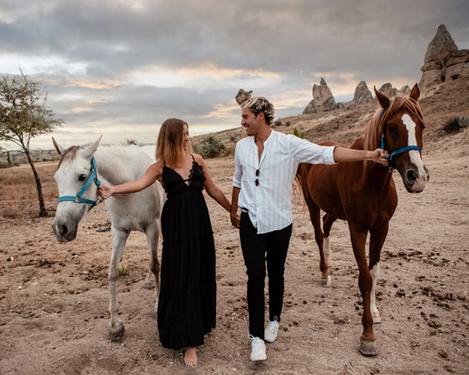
(265,166)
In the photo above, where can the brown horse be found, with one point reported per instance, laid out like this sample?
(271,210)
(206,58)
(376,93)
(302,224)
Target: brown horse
(364,194)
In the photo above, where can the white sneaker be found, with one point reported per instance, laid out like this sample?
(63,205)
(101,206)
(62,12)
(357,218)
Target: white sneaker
(257,349)
(271,331)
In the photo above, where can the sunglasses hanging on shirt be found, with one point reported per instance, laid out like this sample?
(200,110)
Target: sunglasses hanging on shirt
(257,175)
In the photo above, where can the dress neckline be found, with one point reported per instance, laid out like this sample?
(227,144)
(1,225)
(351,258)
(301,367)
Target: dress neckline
(191,170)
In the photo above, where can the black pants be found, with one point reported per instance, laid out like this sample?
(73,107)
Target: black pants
(255,247)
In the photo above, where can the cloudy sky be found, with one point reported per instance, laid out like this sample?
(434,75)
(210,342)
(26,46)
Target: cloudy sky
(119,68)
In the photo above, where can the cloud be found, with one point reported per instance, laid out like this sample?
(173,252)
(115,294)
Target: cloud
(137,63)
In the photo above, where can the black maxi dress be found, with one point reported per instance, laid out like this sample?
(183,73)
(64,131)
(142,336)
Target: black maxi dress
(187,301)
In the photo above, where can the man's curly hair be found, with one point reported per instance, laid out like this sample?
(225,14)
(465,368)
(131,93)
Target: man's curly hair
(258,104)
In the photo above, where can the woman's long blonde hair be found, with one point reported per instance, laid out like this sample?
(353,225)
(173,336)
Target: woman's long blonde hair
(169,147)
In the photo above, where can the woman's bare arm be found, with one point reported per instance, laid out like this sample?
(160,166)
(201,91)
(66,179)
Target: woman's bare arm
(153,172)
(212,189)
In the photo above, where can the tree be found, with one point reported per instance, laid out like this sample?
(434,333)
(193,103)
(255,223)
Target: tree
(24,115)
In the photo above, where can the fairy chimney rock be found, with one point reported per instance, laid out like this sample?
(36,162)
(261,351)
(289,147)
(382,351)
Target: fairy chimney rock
(362,94)
(443,61)
(404,91)
(243,96)
(323,100)
(388,90)
(441,47)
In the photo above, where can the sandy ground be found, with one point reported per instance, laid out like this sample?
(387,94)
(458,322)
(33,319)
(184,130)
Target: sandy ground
(53,297)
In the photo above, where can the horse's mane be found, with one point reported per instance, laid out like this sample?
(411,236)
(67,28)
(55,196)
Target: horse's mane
(118,150)
(69,153)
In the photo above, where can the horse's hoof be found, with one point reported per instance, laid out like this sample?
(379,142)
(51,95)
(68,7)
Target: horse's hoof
(149,284)
(376,318)
(116,332)
(326,281)
(368,348)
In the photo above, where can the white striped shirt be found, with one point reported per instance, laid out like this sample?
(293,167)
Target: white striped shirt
(269,203)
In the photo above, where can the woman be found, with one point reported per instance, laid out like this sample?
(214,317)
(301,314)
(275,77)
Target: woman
(187,301)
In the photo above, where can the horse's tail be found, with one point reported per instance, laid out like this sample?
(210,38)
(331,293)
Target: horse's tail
(301,179)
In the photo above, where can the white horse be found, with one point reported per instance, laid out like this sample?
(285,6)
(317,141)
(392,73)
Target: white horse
(79,172)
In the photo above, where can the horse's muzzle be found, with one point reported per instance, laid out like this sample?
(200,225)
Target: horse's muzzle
(64,232)
(414,181)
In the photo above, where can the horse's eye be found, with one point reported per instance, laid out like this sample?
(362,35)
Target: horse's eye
(393,130)
(82,177)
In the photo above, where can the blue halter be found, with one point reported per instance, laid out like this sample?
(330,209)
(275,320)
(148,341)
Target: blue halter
(93,177)
(392,155)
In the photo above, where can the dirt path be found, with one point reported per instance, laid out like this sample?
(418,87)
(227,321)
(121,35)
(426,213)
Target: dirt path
(53,297)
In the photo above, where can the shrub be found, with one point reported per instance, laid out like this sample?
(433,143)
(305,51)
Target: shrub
(211,147)
(298,133)
(122,270)
(455,125)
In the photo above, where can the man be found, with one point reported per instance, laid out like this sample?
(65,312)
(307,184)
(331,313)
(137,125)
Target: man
(266,162)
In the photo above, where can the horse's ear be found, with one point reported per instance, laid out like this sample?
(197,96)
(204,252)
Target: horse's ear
(91,149)
(58,148)
(382,99)
(415,92)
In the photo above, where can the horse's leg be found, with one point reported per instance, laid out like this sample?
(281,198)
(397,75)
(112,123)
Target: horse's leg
(377,238)
(327,221)
(119,238)
(367,340)
(152,232)
(315,216)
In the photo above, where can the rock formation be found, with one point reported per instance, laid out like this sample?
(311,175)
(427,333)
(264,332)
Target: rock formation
(404,91)
(242,96)
(362,94)
(388,90)
(443,61)
(323,100)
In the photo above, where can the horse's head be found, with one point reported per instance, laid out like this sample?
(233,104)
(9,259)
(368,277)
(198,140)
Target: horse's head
(398,129)
(77,185)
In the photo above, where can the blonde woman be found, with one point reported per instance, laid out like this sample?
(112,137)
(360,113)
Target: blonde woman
(187,301)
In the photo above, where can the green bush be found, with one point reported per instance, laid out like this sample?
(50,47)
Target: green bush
(456,124)
(298,133)
(211,147)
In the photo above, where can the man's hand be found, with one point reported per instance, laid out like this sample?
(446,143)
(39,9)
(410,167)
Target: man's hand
(379,156)
(234,219)
(105,191)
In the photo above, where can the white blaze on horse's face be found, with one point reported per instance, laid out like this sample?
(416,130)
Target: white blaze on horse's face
(417,176)
(69,178)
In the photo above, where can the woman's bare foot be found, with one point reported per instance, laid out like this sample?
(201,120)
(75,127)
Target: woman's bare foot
(190,356)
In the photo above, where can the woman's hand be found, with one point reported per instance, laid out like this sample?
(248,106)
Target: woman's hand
(105,191)
(379,156)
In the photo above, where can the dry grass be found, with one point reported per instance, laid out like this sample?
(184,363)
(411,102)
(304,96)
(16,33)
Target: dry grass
(18,190)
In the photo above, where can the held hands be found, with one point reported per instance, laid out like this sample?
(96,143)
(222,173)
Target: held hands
(379,156)
(105,191)
(234,219)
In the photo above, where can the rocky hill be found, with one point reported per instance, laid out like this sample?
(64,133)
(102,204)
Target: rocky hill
(442,101)
(448,101)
